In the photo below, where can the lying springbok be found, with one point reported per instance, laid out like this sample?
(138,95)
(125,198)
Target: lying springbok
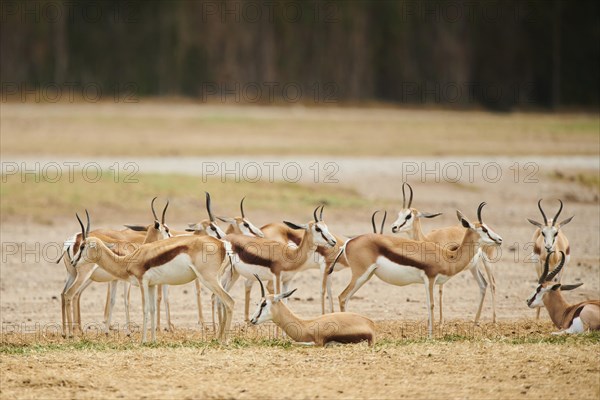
(401,262)
(569,318)
(79,279)
(548,239)
(326,329)
(172,261)
(409,222)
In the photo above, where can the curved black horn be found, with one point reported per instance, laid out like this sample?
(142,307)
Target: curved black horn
(546,267)
(321,213)
(383,222)
(542,211)
(262,288)
(315,214)
(242,206)
(558,213)
(152,207)
(373,221)
(556,270)
(210,215)
(403,196)
(164,212)
(87,228)
(483,203)
(411,195)
(81,225)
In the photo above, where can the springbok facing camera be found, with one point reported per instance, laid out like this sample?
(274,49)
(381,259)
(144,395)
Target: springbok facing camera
(172,261)
(329,328)
(570,318)
(409,221)
(401,262)
(548,241)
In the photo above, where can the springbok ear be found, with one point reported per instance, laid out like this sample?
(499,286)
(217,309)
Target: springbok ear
(294,226)
(428,215)
(570,287)
(227,220)
(563,223)
(465,222)
(556,287)
(137,228)
(284,295)
(535,223)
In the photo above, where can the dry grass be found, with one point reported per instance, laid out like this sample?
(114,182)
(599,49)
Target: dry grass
(509,360)
(160,129)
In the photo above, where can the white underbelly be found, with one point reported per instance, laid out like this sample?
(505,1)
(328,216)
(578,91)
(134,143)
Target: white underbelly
(397,274)
(175,272)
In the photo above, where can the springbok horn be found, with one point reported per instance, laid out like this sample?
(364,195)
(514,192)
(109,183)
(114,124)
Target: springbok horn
(411,195)
(383,222)
(558,213)
(164,212)
(152,207)
(479,211)
(321,213)
(212,219)
(315,214)
(82,228)
(87,228)
(242,206)
(556,270)
(542,211)
(546,267)
(403,196)
(373,221)
(262,288)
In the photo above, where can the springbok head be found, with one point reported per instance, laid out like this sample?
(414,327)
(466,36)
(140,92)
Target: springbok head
(243,224)
(208,227)
(159,229)
(264,310)
(550,228)
(547,283)
(486,234)
(407,215)
(317,228)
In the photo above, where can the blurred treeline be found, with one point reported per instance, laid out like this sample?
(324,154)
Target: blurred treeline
(500,54)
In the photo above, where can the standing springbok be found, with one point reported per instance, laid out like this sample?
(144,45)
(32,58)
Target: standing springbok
(79,279)
(409,222)
(322,259)
(274,260)
(401,262)
(548,239)
(330,328)
(172,261)
(569,318)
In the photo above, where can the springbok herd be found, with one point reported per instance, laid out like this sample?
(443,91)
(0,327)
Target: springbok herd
(155,256)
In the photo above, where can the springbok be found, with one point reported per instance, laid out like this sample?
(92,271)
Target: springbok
(79,279)
(172,261)
(548,239)
(569,318)
(401,262)
(274,260)
(409,222)
(330,328)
